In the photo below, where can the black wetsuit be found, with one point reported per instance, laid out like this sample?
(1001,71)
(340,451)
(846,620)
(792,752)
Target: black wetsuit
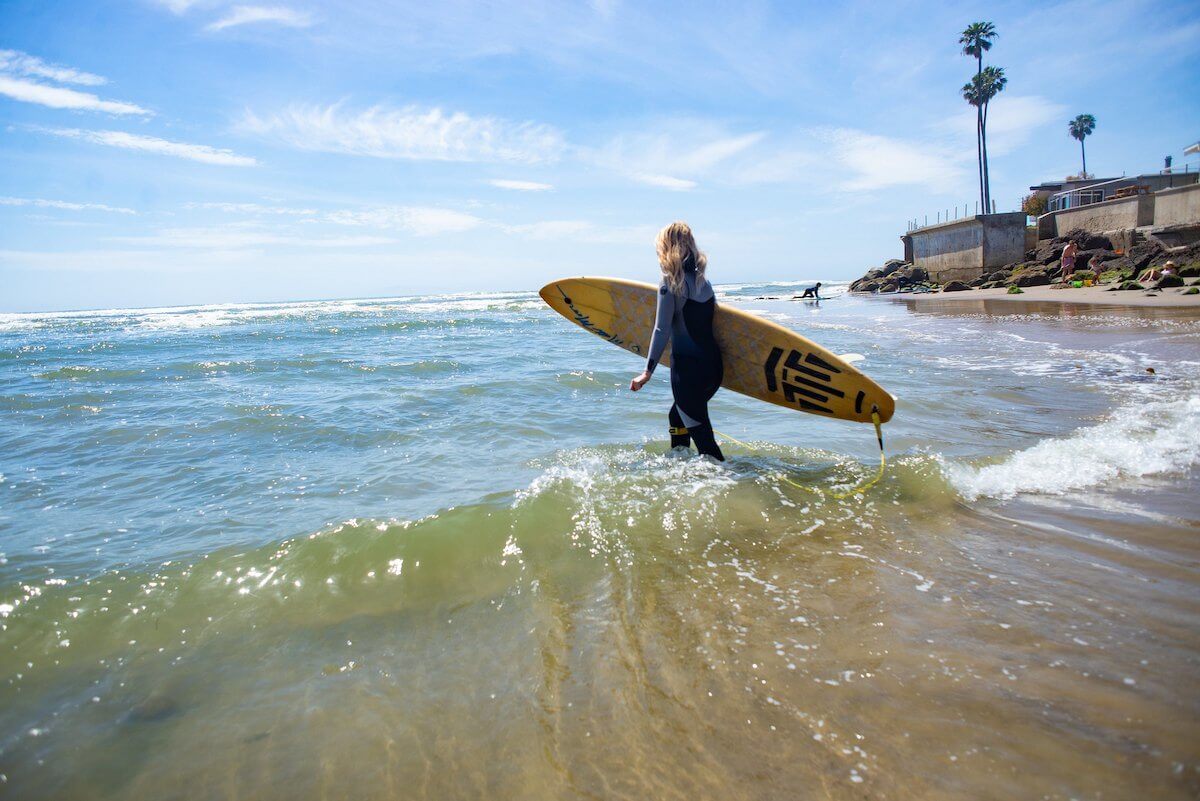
(696,369)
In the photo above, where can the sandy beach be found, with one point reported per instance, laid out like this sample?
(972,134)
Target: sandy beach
(1090,296)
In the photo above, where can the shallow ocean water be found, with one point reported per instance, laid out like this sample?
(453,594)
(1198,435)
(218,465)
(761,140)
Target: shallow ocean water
(433,548)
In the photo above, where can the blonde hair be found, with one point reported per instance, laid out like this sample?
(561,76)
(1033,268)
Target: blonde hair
(674,244)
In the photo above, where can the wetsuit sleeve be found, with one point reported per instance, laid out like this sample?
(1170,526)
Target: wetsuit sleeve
(662,327)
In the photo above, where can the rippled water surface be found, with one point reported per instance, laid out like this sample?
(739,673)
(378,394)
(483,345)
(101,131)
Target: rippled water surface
(433,548)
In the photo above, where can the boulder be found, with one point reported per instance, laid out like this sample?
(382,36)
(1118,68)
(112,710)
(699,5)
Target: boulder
(1083,275)
(1168,281)
(955,286)
(1140,256)
(976,283)
(1029,278)
(1086,240)
(992,285)
(917,274)
(1090,241)
(1048,253)
(1097,256)
(1192,291)
(1190,271)
(1129,286)
(998,276)
(889,286)
(890,266)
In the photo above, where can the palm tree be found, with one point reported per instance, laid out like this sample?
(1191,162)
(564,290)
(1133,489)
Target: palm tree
(1079,128)
(975,39)
(986,84)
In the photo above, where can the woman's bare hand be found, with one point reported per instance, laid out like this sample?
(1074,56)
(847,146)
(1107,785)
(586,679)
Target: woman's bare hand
(639,382)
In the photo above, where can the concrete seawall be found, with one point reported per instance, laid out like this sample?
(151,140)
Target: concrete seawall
(963,250)
(1110,215)
(1179,206)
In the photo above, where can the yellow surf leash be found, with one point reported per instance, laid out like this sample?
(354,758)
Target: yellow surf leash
(842,495)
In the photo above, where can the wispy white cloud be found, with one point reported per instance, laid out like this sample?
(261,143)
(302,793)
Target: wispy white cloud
(234,237)
(245,15)
(18,63)
(60,97)
(520,186)
(871,161)
(420,220)
(1012,122)
(152,144)
(582,231)
(62,204)
(254,208)
(408,133)
(664,181)
(674,157)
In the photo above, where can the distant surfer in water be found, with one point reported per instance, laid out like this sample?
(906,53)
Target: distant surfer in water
(686,304)
(813,291)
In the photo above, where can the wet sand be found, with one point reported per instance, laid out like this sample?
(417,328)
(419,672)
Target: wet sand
(1093,296)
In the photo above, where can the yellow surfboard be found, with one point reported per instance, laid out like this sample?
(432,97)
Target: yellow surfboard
(762,359)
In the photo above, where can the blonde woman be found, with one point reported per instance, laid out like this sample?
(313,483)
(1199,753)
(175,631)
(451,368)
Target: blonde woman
(686,304)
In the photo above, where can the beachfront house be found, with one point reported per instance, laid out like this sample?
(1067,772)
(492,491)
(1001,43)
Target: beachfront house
(1075,191)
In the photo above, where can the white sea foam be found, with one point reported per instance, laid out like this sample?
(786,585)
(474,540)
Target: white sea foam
(1151,437)
(169,318)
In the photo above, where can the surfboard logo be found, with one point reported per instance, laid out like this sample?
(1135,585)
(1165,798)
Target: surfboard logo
(585,322)
(809,384)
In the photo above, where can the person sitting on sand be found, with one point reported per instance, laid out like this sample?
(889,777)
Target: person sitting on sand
(1154,273)
(1068,259)
(812,291)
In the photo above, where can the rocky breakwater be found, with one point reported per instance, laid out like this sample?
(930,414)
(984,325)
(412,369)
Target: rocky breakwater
(891,277)
(1097,260)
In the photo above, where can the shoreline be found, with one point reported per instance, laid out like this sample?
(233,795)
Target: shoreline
(1096,296)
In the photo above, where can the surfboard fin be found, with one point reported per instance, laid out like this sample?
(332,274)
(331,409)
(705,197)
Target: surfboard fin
(851,358)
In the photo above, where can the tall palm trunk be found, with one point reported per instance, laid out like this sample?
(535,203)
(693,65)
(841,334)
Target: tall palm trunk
(987,184)
(979,136)
(1083,154)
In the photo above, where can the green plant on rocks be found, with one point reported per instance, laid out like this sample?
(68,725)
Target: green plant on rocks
(1015,290)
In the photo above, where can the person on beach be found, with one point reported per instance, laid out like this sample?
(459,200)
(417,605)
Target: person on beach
(1154,273)
(1068,259)
(812,291)
(684,317)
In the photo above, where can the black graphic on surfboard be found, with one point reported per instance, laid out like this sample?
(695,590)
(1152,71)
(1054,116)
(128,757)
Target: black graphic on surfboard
(810,382)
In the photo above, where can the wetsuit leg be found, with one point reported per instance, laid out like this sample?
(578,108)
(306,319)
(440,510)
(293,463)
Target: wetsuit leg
(693,383)
(678,440)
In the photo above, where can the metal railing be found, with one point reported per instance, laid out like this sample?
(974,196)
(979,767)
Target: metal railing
(949,215)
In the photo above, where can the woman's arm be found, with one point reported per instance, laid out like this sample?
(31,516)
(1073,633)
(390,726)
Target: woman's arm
(661,336)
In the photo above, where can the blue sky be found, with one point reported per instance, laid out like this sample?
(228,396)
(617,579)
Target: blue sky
(164,152)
